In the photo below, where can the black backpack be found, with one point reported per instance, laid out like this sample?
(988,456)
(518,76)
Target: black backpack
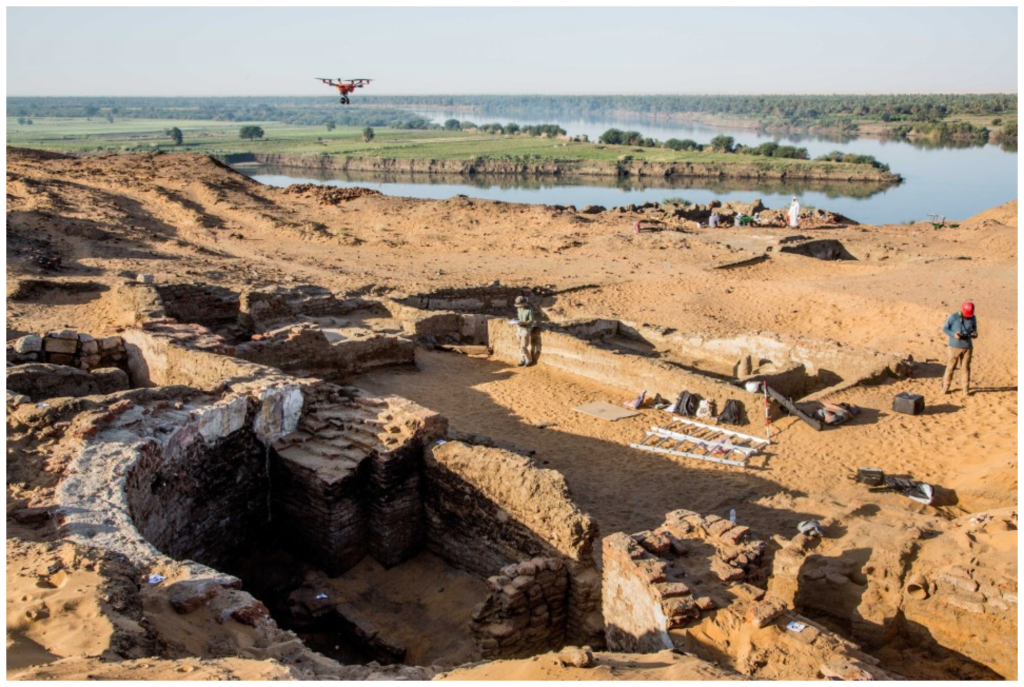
(686,404)
(732,413)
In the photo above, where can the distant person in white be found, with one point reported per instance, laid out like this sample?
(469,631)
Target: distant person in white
(794,213)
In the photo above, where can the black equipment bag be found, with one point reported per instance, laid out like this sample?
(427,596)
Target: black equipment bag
(732,413)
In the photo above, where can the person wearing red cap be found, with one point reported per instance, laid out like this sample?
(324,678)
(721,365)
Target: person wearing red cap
(961,328)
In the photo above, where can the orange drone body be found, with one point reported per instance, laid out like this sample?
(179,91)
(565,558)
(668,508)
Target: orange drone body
(345,86)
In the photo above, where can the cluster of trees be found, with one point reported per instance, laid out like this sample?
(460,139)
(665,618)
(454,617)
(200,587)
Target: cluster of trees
(773,149)
(943,131)
(840,156)
(24,120)
(289,110)
(727,144)
(550,130)
(176,135)
(616,137)
(792,110)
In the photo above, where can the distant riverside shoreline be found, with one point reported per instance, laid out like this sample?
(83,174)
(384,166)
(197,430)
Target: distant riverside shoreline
(747,168)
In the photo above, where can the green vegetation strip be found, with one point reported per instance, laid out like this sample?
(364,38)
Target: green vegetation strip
(85,135)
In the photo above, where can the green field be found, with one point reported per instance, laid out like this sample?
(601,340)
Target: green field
(211,137)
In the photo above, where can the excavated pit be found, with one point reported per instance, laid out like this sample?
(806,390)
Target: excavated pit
(820,249)
(363,522)
(358,525)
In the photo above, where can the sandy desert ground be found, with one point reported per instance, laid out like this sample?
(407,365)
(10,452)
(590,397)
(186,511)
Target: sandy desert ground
(188,218)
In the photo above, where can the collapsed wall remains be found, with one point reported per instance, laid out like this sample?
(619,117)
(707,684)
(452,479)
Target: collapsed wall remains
(692,585)
(490,510)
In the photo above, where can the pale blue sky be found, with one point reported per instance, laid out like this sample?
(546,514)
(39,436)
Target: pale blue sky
(277,51)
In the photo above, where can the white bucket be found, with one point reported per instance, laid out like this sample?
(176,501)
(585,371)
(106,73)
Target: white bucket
(753,387)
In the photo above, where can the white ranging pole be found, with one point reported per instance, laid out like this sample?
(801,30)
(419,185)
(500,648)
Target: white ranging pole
(767,420)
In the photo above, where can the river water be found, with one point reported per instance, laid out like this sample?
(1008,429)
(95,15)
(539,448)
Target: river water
(953,182)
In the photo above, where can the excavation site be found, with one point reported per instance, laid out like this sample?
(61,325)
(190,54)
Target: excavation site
(254,434)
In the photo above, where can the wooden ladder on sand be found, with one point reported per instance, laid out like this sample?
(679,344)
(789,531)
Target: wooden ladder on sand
(691,439)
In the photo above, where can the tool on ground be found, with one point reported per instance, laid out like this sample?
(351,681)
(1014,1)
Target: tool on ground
(792,409)
(877,480)
(691,439)
(812,528)
(605,411)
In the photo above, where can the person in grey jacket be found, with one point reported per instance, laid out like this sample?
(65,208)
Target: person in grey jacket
(962,329)
(526,322)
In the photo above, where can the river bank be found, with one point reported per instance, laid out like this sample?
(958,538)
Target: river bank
(762,169)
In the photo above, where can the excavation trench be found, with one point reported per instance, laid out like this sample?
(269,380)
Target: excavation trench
(366,532)
(376,531)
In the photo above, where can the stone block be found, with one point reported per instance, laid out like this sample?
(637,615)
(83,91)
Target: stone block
(31,343)
(145,278)
(252,614)
(719,527)
(972,603)
(55,344)
(108,343)
(69,334)
(90,347)
(670,589)
(734,535)
(189,595)
(761,614)
(724,571)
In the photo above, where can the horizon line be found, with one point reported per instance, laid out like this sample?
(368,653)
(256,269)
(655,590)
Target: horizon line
(519,95)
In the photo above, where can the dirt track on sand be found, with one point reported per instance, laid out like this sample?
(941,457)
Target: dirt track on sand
(187,218)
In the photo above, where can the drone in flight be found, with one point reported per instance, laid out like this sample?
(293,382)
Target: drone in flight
(345,86)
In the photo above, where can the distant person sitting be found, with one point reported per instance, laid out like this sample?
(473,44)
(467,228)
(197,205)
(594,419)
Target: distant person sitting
(961,328)
(794,214)
(525,324)
(713,222)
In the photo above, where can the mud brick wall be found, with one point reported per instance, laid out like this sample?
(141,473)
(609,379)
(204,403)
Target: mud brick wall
(830,364)
(967,608)
(139,303)
(631,373)
(656,581)
(205,304)
(68,347)
(911,587)
(358,354)
(158,357)
(493,300)
(305,350)
(322,517)
(396,522)
(486,508)
(347,482)
(37,381)
(584,624)
(525,613)
(203,502)
(261,309)
(302,349)
(634,621)
(440,326)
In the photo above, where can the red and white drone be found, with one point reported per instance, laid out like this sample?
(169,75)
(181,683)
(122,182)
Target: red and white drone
(345,86)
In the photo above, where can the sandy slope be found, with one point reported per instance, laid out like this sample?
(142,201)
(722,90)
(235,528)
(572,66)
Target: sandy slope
(189,219)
